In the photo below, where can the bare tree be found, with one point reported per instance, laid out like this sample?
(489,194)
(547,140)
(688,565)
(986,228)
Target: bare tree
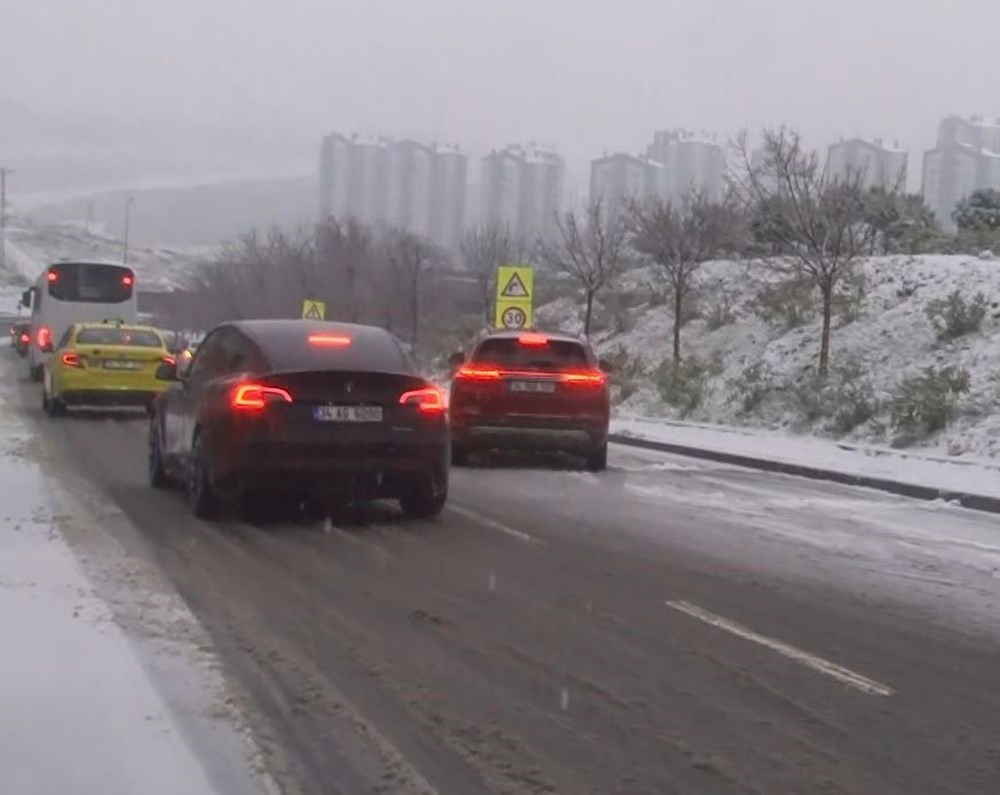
(680,239)
(410,257)
(344,251)
(484,249)
(592,249)
(817,219)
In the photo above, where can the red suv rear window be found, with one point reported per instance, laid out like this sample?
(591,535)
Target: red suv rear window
(555,355)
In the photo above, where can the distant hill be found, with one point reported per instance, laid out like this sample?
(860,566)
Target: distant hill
(31,245)
(193,216)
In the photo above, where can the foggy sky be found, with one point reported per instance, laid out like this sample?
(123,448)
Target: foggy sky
(585,75)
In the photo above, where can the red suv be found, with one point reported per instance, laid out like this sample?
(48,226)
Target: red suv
(527,391)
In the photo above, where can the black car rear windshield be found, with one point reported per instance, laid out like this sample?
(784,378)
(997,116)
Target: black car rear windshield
(512,353)
(138,338)
(365,351)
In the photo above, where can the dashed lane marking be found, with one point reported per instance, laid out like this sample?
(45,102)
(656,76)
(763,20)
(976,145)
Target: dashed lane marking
(492,524)
(838,672)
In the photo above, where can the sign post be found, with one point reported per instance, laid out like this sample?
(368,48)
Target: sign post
(313,310)
(515,296)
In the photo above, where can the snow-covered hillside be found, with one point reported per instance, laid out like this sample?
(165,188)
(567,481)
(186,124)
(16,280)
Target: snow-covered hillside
(30,246)
(755,371)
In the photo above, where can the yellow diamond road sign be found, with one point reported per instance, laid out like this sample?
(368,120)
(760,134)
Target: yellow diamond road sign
(313,310)
(515,291)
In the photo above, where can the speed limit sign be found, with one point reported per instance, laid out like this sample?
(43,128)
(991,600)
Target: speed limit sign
(513,317)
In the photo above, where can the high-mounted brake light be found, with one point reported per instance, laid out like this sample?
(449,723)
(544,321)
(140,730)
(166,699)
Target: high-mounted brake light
(52,276)
(254,397)
(72,360)
(330,340)
(428,400)
(471,373)
(532,339)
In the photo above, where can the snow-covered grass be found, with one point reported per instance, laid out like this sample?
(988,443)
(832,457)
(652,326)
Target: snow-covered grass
(883,337)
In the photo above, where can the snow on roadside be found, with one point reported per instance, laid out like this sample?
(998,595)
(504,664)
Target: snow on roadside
(891,339)
(975,476)
(75,685)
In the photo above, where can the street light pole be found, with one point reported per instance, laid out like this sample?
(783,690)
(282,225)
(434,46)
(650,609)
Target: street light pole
(128,214)
(3,215)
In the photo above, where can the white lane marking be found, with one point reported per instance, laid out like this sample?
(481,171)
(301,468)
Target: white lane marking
(493,524)
(838,672)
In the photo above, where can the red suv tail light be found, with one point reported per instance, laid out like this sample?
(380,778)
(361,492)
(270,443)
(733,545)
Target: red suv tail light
(429,400)
(254,397)
(592,378)
(473,373)
(44,337)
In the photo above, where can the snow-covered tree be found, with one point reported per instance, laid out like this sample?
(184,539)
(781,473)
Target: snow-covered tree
(680,238)
(592,249)
(818,220)
(979,212)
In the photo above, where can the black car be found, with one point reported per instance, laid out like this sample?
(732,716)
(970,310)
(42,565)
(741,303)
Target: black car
(528,391)
(303,410)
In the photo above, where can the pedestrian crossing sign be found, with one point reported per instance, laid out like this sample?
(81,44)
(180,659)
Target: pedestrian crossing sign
(515,288)
(313,310)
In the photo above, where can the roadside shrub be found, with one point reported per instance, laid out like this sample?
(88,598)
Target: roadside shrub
(627,372)
(845,399)
(789,303)
(721,313)
(683,385)
(954,316)
(751,387)
(924,404)
(849,296)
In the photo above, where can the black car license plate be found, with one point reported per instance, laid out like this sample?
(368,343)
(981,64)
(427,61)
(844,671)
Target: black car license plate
(348,413)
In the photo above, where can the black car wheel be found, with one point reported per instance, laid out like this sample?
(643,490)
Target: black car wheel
(422,503)
(204,501)
(158,478)
(597,461)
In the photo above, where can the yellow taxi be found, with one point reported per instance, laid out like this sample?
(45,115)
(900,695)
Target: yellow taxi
(106,364)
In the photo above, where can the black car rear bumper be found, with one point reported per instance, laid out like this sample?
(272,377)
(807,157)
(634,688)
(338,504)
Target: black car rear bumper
(357,471)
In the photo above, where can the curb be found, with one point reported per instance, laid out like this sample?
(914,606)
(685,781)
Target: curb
(976,502)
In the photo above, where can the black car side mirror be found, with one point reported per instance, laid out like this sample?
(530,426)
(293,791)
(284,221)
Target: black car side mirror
(26,299)
(606,366)
(456,359)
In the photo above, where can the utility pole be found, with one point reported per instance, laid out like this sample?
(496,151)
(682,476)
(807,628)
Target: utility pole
(3,215)
(128,214)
